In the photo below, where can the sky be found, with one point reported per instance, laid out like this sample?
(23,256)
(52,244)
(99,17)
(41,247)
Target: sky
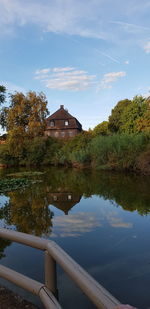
(83,54)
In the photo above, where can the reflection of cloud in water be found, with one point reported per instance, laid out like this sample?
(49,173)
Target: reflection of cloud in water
(115,221)
(75,224)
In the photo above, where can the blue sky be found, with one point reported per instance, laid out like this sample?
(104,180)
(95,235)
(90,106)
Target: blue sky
(84,54)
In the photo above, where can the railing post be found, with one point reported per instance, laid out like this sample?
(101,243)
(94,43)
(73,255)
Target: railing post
(50,274)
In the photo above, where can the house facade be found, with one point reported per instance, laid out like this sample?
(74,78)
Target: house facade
(62,125)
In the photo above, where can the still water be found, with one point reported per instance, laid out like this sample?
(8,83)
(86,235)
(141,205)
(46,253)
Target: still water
(101,219)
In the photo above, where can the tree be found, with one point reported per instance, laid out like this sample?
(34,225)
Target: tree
(27,113)
(25,119)
(101,129)
(143,123)
(2,94)
(115,121)
(3,110)
(132,114)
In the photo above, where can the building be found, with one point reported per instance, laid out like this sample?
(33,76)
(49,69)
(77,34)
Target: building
(62,125)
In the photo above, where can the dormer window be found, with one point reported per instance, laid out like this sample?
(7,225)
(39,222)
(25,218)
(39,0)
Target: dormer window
(66,123)
(52,123)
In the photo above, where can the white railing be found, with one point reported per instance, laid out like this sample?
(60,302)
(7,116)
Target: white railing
(48,291)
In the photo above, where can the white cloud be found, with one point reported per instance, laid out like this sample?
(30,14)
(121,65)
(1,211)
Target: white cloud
(131,27)
(43,71)
(75,225)
(147,47)
(110,78)
(65,17)
(74,17)
(65,78)
(126,62)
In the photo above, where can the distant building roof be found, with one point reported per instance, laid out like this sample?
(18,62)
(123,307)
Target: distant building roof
(62,114)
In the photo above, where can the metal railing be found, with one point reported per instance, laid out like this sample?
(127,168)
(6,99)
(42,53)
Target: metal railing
(48,291)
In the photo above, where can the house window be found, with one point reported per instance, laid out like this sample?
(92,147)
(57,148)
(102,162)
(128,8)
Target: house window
(69,197)
(66,123)
(63,134)
(70,133)
(52,123)
(56,134)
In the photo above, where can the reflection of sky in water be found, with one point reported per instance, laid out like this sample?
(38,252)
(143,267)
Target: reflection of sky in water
(79,221)
(111,243)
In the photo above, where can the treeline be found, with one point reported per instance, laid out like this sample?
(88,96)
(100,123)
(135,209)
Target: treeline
(121,143)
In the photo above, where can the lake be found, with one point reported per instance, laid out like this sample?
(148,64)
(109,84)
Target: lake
(101,219)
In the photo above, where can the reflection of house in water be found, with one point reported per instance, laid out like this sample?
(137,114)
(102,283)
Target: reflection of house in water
(64,200)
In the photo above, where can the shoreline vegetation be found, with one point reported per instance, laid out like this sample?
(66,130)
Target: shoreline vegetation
(119,152)
(122,143)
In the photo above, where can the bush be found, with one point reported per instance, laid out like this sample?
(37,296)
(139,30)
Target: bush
(118,151)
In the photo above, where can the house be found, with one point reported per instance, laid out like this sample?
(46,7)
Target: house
(62,125)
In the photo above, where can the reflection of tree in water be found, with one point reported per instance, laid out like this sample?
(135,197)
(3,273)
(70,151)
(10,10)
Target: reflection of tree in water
(28,209)
(129,191)
(3,244)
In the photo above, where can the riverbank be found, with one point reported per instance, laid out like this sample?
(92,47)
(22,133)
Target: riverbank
(118,152)
(10,300)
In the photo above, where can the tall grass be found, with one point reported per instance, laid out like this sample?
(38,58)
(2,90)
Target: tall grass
(118,151)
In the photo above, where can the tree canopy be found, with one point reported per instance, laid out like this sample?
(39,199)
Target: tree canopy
(2,94)
(23,118)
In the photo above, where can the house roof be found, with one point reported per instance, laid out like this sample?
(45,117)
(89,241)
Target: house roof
(61,113)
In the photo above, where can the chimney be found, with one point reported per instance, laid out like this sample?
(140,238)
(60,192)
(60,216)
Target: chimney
(62,106)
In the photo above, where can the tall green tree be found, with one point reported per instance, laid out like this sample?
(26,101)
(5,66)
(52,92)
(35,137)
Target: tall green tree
(2,94)
(3,110)
(132,114)
(143,123)
(115,120)
(101,129)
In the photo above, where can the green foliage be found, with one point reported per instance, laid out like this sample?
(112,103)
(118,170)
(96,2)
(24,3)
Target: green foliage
(24,119)
(120,143)
(27,113)
(7,185)
(3,110)
(118,151)
(101,129)
(115,121)
(131,114)
(35,151)
(53,147)
(2,94)
(26,174)
(76,150)
(6,157)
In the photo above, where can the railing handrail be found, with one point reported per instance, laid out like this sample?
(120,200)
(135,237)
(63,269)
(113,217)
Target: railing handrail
(53,253)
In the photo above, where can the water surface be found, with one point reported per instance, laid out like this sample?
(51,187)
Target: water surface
(101,219)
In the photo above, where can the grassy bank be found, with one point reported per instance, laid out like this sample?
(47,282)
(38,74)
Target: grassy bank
(130,152)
